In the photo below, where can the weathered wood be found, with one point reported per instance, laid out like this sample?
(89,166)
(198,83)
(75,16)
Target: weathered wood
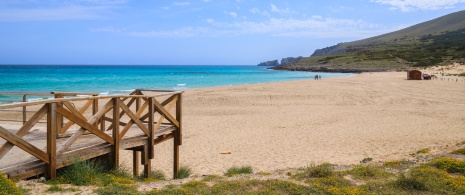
(79,132)
(84,124)
(152,132)
(70,123)
(24,129)
(135,163)
(116,139)
(134,119)
(130,123)
(151,129)
(179,117)
(52,123)
(159,108)
(175,154)
(59,118)
(24,145)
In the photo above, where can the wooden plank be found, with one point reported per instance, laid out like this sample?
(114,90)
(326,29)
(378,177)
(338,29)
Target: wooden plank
(179,117)
(70,123)
(130,123)
(164,103)
(151,129)
(134,118)
(24,145)
(52,122)
(59,117)
(116,139)
(79,132)
(159,108)
(135,163)
(94,110)
(175,155)
(24,129)
(84,124)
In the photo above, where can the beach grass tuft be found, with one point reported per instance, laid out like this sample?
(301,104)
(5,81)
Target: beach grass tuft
(423,151)
(399,164)
(316,171)
(184,172)
(238,170)
(155,175)
(460,151)
(365,160)
(368,172)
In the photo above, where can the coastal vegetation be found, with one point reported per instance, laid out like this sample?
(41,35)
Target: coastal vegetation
(441,175)
(437,42)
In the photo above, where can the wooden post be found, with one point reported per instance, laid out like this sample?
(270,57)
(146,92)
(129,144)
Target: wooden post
(116,111)
(59,116)
(51,140)
(177,136)
(151,128)
(135,163)
(24,110)
(95,110)
(146,161)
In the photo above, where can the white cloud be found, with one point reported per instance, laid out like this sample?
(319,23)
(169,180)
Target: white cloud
(258,11)
(33,10)
(274,8)
(233,14)
(410,5)
(312,27)
(181,3)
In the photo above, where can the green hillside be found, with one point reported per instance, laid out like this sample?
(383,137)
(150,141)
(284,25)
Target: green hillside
(436,42)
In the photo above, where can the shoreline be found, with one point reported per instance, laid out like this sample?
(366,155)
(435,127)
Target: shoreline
(289,124)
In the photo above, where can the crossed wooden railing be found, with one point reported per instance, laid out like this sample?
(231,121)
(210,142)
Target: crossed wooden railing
(78,128)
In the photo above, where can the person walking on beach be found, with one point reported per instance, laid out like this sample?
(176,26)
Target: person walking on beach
(316,77)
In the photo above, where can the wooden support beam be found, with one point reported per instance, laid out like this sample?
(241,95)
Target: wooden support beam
(151,128)
(116,138)
(24,145)
(95,109)
(134,119)
(80,131)
(175,155)
(179,117)
(135,163)
(24,129)
(84,124)
(59,117)
(70,123)
(53,122)
(137,115)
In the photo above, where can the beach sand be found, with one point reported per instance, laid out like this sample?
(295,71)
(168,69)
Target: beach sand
(339,120)
(293,124)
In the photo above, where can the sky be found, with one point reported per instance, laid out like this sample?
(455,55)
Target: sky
(195,32)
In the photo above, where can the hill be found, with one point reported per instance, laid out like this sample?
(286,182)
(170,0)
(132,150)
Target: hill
(435,42)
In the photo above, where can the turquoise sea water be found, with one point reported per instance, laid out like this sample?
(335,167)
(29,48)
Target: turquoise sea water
(124,79)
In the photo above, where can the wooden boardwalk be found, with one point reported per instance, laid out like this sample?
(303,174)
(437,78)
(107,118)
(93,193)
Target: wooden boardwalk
(37,138)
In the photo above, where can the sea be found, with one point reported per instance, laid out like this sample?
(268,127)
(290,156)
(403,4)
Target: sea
(123,79)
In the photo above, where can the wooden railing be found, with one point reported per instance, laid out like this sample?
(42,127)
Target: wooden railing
(82,128)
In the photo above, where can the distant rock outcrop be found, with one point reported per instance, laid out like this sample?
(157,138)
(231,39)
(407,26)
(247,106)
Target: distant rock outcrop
(269,63)
(329,50)
(289,60)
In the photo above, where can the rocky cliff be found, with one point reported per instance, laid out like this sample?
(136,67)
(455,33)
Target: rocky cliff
(269,63)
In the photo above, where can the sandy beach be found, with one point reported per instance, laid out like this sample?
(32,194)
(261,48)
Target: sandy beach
(339,120)
(293,124)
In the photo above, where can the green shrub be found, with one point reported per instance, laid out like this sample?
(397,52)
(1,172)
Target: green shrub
(459,151)
(409,183)
(184,172)
(366,172)
(365,160)
(8,187)
(82,173)
(238,170)
(423,151)
(399,165)
(462,74)
(117,188)
(317,171)
(450,165)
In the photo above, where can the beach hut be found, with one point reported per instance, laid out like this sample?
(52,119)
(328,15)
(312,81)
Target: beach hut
(414,75)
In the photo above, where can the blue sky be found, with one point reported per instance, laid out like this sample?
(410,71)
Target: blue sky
(202,32)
